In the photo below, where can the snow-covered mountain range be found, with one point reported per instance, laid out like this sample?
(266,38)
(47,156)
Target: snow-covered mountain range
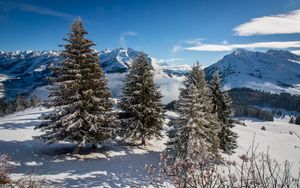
(24,72)
(274,71)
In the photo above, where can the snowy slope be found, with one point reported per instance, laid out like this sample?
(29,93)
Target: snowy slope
(117,165)
(276,140)
(113,165)
(275,71)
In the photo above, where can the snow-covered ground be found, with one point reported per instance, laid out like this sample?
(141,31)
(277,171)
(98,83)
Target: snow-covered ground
(111,166)
(276,140)
(120,166)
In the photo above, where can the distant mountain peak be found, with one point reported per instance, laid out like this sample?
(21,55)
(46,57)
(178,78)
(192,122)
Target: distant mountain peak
(239,51)
(275,70)
(106,50)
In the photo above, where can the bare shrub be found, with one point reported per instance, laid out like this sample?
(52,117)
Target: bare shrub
(252,170)
(27,181)
(30,181)
(5,169)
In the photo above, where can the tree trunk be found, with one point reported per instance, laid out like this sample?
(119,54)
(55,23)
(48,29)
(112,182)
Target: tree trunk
(143,141)
(76,150)
(94,146)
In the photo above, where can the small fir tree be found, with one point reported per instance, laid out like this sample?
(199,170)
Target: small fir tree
(20,103)
(3,105)
(292,120)
(80,96)
(10,107)
(142,111)
(221,103)
(197,130)
(34,101)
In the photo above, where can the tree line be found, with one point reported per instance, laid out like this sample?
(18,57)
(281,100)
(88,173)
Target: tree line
(20,103)
(245,96)
(249,102)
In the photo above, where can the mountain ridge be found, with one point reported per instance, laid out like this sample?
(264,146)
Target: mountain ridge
(21,72)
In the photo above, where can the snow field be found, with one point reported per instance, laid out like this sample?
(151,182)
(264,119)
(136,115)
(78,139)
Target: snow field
(117,165)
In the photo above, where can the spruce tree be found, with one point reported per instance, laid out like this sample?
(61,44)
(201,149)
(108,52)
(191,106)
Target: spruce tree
(142,111)
(222,108)
(197,130)
(172,134)
(79,95)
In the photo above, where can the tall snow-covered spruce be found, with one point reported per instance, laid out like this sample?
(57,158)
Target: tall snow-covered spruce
(142,111)
(79,95)
(222,108)
(196,127)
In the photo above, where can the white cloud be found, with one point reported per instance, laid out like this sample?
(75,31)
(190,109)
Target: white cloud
(276,24)
(169,60)
(36,9)
(225,42)
(124,35)
(168,86)
(210,47)
(193,41)
(176,48)
(180,44)
(229,47)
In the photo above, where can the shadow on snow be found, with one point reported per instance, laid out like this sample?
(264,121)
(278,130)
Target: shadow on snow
(124,168)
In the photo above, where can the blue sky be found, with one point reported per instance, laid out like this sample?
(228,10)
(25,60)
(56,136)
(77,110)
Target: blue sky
(177,32)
